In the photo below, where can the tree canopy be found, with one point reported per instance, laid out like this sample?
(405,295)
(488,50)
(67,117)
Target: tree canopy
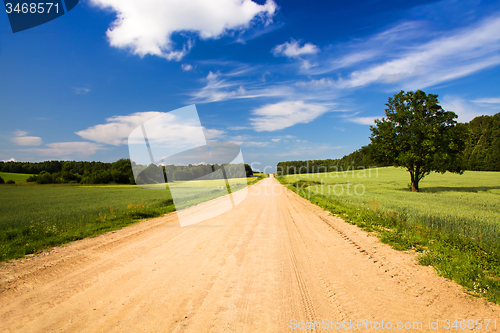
(482,144)
(417,134)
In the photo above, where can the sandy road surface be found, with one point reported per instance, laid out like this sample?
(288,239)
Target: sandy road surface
(273,258)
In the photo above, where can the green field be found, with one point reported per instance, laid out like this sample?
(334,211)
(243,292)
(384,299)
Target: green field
(453,223)
(33,217)
(17,177)
(467,204)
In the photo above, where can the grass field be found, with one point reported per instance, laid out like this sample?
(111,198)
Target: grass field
(17,177)
(34,217)
(467,204)
(453,223)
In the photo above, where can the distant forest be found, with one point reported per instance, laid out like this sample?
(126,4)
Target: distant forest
(481,153)
(119,172)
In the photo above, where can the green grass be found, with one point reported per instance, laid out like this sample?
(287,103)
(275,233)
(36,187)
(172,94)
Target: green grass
(467,204)
(454,222)
(35,217)
(17,177)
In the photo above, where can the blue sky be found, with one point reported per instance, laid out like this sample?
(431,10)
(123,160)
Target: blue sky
(284,79)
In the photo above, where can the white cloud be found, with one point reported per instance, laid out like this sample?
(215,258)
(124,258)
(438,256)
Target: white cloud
(146,27)
(81,91)
(222,87)
(465,110)
(60,149)
(212,76)
(487,100)
(117,129)
(238,128)
(212,134)
(12,159)
(294,50)
(255,144)
(446,58)
(22,139)
(363,120)
(273,117)
(186,67)
(390,42)
(171,129)
(306,65)
(320,82)
(275,140)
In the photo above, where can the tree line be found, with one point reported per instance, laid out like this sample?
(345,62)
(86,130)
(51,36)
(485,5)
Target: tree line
(119,172)
(355,160)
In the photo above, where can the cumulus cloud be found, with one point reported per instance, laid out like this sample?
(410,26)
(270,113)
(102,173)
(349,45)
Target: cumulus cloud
(61,149)
(117,129)
(146,27)
(22,139)
(273,117)
(186,67)
(294,50)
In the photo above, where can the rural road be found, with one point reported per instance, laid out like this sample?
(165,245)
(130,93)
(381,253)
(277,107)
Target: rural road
(273,259)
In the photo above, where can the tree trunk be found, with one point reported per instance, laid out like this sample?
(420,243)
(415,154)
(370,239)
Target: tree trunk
(414,185)
(414,181)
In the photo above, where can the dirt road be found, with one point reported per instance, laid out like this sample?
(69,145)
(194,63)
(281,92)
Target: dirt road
(271,264)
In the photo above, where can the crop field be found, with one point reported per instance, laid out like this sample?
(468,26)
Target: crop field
(17,177)
(467,204)
(33,217)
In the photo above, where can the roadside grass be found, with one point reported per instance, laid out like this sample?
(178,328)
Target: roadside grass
(36,217)
(453,224)
(17,177)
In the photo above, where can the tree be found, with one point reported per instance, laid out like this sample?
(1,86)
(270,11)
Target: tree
(417,134)
(248,170)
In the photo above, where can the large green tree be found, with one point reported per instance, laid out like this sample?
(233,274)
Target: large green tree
(417,134)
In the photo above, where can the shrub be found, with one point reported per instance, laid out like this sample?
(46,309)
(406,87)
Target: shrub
(10,181)
(2,181)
